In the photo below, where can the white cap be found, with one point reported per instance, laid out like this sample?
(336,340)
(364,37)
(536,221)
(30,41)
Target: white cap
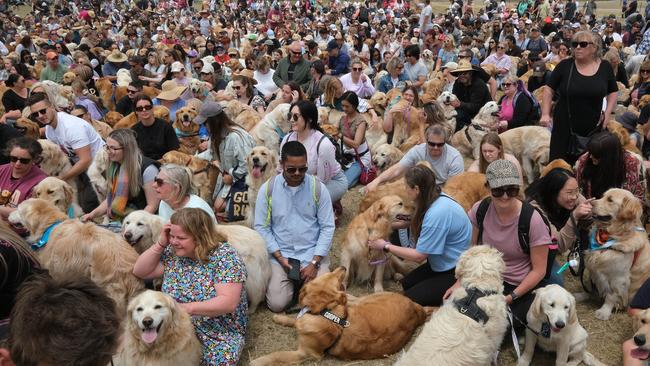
(207,69)
(177,67)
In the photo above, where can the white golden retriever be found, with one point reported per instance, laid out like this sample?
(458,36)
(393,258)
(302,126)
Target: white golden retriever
(270,130)
(530,144)
(445,99)
(452,338)
(261,163)
(158,333)
(468,139)
(553,318)
(141,229)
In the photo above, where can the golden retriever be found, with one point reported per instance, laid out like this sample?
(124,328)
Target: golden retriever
(261,163)
(641,336)
(453,338)
(432,88)
(466,188)
(60,194)
(205,175)
(397,187)
(130,120)
(186,130)
(158,332)
(557,163)
(407,122)
(141,229)
(373,223)
(386,155)
(97,174)
(623,136)
(273,127)
(445,99)
(111,118)
(81,249)
(27,128)
(378,324)
(54,161)
(530,145)
(468,140)
(620,262)
(553,325)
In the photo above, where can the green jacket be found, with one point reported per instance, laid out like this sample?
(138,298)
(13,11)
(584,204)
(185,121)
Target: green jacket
(301,74)
(53,75)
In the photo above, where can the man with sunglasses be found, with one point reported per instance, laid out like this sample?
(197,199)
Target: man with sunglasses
(293,213)
(445,160)
(293,68)
(126,104)
(54,70)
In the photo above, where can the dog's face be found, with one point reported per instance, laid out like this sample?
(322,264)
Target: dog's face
(617,206)
(151,313)
(69,77)
(185,119)
(325,291)
(446,98)
(55,191)
(481,266)
(28,128)
(642,335)
(541,160)
(141,226)
(385,156)
(331,130)
(427,55)
(490,108)
(261,161)
(199,88)
(645,100)
(112,118)
(53,159)
(555,305)
(281,116)
(392,208)
(379,101)
(162,112)
(35,215)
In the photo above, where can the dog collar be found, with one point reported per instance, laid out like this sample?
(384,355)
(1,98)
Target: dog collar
(46,236)
(334,318)
(70,212)
(180,133)
(599,239)
(468,307)
(545,330)
(280,133)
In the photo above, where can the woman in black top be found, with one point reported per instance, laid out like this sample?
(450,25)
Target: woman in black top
(581,83)
(14,98)
(155,137)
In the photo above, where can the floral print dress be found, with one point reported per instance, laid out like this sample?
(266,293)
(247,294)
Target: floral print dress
(189,280)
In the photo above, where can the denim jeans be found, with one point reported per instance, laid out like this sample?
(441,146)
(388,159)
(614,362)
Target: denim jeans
(353,173)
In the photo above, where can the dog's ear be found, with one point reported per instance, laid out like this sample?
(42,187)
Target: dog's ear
(536,307)
(573,316)
(68,193)
(630,209)
(378,213)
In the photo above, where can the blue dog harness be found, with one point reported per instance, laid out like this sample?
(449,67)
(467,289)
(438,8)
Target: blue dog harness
(46,236)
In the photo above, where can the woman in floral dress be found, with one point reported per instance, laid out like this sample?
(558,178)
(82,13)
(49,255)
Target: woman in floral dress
(205,275)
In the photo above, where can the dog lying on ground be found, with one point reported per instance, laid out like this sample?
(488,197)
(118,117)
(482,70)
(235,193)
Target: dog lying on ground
(468,139)
(141,229)
(452,337)
(619,262)
(530,145)
(553,317)
(377,325)
(204,174)
(445,99)
(71,247)
(373,223)
(273,127)
(186,130)
(158,332)
(385,155)
(261,163)
(60,194)
(466,188)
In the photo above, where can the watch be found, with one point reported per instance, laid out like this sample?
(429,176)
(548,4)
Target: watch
(385,248)
(315,263)
(514,295)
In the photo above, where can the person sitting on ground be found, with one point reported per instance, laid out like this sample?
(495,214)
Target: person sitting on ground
(358,82)
(472,93)
(174,188)
(304,235)
(293,68)
(155,137)
(491,150)
(339,61)
(352,128)
(516,105)
(126,105)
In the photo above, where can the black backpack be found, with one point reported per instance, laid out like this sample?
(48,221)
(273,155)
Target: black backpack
(523,230)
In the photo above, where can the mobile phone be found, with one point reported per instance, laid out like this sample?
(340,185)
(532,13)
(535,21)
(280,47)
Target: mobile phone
(294,272)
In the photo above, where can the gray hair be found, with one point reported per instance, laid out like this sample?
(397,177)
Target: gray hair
(393,64)
(437,130)
(181,178)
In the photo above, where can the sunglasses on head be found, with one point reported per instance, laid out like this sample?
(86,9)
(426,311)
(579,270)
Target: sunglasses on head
(14,159)
(293,169)
(435,144)
(144,108)
(511,191)
(582,44)
(42,112)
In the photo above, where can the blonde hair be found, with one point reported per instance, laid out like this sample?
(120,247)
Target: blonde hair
(493,139)
(582,35)
(330,91)
(131,159)
(393,64)
(201,227)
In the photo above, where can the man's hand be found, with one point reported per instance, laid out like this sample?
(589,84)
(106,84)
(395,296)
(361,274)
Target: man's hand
(284,262)
(308,273)
(227,179)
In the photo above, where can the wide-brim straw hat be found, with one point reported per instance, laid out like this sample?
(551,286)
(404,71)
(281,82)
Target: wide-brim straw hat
(247,74)
(463,66)
(117,57)
(171,90)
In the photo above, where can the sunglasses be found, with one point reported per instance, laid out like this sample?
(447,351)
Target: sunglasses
(356,69)
(236,87)
(582,44)
(197,69)
(509,190)
(129,91)
(501,47)
(233,55)
(293,170)
(205,73)
(295,117)
(36,114)
(159,181)
(644,71)
(296,53)
(53,59)
(14,159)
(435,144)
(144,108)
(505,85)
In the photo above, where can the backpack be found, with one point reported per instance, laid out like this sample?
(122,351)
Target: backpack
(523,230)
(536,112)
(269,195)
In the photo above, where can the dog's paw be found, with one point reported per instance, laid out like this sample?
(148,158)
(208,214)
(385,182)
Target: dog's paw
(378,289)
(602,314)
(398,276)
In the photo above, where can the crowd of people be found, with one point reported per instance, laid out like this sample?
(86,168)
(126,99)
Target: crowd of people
(558,64)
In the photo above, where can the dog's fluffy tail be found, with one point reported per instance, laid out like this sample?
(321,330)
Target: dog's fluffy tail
(591,360)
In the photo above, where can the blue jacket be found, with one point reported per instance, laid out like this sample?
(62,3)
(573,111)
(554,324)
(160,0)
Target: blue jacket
(339,64)
(386,84)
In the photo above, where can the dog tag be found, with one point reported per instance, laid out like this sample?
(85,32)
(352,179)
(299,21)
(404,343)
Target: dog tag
(546,330)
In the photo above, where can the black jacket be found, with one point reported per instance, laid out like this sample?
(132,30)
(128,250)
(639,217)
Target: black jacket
(523,114)
(472,97)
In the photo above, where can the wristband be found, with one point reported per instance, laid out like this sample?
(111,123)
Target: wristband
(513,295)
(385,248)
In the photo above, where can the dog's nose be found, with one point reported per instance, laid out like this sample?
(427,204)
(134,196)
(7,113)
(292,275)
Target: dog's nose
(128,235)
(256,160)
(559,324)
(639,339)
(147,322)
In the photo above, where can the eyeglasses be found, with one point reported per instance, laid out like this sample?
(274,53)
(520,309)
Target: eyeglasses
(113,148)
(295,117)
(36,114)
(506,85)
(144,108)
(435,144)
(52,58)
(232,55)
(511,191)
(356,69)
(129,91)
(14,159)
(293,169)
(159,181)
(573,193)
(582,44)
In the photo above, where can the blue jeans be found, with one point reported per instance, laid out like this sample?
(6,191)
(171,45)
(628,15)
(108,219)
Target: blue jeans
(555,278)
(353,173)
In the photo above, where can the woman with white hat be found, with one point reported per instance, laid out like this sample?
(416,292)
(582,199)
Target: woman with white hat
(244,87)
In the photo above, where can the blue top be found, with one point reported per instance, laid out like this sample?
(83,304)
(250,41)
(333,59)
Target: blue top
(180,103)
(445,234)
(386,82)
(339,64)
(299,227)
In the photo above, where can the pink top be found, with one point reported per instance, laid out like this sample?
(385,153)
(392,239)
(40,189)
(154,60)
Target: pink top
(503,236)
(323,163)
(361,89)
(507,109)
(14,191)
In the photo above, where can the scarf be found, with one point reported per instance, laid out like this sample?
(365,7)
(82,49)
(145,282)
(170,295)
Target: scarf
(118,196)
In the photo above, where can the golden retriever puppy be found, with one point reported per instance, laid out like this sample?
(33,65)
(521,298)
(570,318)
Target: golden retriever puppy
(28,128)
(553,325)
(385,155)
(407,122)
(204,174)
(372,327)
(71,247)
(97,174)
(619,261)
(60,194)
(273,127)
(466,188)
(530,145)
(261,163)
(111,118)
(130,120)
(186,130)
(557,163)
(141,229)
(468,140)
(453,338)
(374,223)
(641,336)
(158,332)
(445,99)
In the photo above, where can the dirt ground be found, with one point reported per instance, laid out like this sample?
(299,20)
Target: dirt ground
(605,338)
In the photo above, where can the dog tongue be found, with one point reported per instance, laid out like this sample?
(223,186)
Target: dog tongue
(149,335)
(257,171)
(640,354)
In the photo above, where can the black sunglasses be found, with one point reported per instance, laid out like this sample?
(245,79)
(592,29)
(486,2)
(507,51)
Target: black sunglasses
(356,69)
(511,191)
(435,144)
(14,159)
(644,71)
(295,117)
(129,91)
(582,44)
(42,112)
(236,87)
(293,170)
(144,108)
(505,85)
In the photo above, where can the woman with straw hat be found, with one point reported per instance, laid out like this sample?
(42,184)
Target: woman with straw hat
(243,85)
(170,97)
(115,61)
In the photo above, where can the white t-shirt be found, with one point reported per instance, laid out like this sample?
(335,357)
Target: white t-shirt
(72,133)
(427,11)
(165,211)
(265,83)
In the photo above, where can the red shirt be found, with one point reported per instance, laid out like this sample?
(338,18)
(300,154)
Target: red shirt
(14,191)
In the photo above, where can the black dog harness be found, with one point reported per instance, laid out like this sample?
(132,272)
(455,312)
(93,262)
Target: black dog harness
(476,127)
(468,307)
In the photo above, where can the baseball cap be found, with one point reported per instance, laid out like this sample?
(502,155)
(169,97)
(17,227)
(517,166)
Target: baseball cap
(501,173)
(177,67)
(208,109)
(207,69)
(332,45)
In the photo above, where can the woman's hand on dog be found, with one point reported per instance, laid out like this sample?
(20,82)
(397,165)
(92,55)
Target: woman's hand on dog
(583,210)
(377,244)
(450,290)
